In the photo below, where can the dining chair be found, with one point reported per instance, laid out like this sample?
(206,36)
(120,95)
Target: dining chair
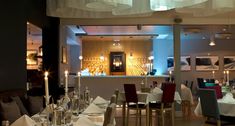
(209,104)
(132,102)
(191,86)
(109,115)
(218,91)
(166,104)
(113,99)
(187,100)
(200,82)
(116,92)
(165,83)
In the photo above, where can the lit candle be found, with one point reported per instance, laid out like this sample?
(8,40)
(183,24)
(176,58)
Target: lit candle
(151,67)
(46,87)
(66,81)
(227,76)
(213,74)
(146,81)
(170,72)
(79,84)
(80,58)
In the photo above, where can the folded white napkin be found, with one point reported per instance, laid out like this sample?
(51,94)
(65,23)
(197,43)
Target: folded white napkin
(92,108)
(100,100)
(24,121)
(228,98)
(84,121)
(157,90)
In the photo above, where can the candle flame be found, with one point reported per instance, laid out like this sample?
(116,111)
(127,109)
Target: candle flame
(227,72)
(213,72)
(79,74)
(170,72)
(66,72)
(46,74)
(224,72)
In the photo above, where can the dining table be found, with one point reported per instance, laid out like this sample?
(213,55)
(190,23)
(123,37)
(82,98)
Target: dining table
(92,115)
(146,98)
(226,106)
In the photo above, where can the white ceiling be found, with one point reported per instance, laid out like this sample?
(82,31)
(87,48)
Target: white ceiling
(160,32)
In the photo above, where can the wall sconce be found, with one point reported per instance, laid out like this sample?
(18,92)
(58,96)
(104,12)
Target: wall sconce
(80,57)
(116,43)
(131,55)
(151,57)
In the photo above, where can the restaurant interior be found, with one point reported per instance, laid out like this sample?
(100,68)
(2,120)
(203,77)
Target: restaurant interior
(118,63)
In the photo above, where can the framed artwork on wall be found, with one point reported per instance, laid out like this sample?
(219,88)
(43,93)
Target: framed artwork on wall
(64,55)
(185,62)
(229,62)
(31,57)
(205,63)
(117,63)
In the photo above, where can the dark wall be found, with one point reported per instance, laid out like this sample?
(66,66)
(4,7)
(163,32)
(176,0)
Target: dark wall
(13,45)
(14,15)
(50,39)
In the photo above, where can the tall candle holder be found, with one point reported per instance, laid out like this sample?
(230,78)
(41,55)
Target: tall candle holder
(146,79)
(47,97)
(227,72)
(66,99)
(213,74)
(79,85)
(225,77)
(170,73)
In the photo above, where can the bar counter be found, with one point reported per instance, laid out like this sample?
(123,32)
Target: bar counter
(105,86)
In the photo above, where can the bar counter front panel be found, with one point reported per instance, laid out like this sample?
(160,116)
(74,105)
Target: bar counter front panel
(105,86)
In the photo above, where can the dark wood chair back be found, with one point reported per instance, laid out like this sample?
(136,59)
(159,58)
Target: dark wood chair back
(130,93)
(168,93)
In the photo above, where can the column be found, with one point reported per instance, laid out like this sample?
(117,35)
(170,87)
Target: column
(177,50)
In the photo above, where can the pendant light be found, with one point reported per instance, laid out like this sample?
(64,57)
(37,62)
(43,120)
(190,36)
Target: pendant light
(212,41)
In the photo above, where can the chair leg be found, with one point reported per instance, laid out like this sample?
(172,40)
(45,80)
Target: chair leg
(163,118)
(183,108)
(218,123)
(150,117)
(136,117)
(127,119)
(173,115)
(189,109)
(140,116)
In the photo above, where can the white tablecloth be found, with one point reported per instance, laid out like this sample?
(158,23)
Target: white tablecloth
(226,106)
(186,94)
(97,119)
(148,97)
